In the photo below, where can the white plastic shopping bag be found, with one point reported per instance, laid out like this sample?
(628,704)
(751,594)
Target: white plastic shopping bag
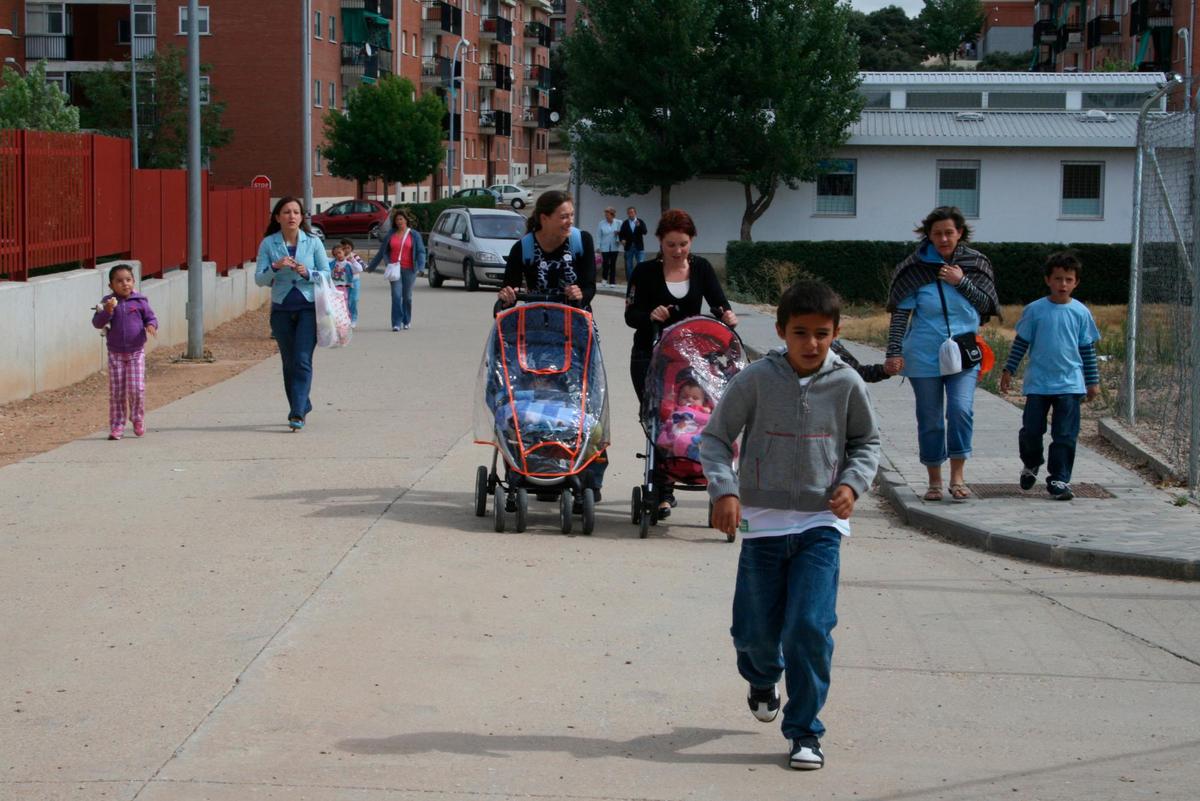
(333,314)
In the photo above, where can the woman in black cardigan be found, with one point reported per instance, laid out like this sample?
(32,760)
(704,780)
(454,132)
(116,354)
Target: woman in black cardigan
(665,290)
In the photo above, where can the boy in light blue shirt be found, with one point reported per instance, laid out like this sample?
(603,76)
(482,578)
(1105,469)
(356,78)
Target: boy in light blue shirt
(1060,336)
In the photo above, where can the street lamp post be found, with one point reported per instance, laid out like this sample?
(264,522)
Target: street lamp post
(451,150)
(195,304)
(133,82)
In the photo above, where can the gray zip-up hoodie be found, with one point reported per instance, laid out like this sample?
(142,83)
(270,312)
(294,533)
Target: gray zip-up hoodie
(800,443)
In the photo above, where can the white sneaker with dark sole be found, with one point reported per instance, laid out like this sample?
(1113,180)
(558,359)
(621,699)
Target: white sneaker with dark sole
(806,754)
(764,702)
(1060,490)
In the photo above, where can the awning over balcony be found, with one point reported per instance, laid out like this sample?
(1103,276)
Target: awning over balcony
(360,25)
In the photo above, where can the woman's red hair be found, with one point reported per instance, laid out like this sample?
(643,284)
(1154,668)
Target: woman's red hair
(675,220)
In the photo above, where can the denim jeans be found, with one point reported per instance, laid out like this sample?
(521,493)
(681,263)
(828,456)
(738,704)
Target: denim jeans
(352,302)
(1064,430)
(402,298)
(296,334)
(632,257)
(784,613)
(945,416)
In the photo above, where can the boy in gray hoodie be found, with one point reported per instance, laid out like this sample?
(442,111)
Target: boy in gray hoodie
(810,449)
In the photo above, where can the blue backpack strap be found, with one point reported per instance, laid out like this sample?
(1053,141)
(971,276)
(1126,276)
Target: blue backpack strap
(575,241)
(527,249)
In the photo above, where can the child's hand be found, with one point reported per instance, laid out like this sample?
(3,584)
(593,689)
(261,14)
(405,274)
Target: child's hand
(152,330)
(842,502)
(893,365)
(727,514)
(1005,382)
(1093,392)
(110,304)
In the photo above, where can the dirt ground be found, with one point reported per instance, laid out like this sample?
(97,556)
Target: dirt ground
(49,419)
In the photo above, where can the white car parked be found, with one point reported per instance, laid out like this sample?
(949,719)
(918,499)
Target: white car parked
(513,195)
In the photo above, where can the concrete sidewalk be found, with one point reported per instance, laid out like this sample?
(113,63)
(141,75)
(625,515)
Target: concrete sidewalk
(1135,528)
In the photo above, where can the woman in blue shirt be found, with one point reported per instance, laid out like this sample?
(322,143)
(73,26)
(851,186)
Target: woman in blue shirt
(607,244)
(942,267)
(288,257)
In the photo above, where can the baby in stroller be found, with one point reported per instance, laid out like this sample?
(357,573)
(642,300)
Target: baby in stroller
(680,434)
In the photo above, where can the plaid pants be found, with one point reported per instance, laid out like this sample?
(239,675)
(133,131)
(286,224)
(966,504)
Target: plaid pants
(126,382)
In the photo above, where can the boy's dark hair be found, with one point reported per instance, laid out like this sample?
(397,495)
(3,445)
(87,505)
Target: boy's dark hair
(118,268)
(809,297)
(1064,260)
(346,243)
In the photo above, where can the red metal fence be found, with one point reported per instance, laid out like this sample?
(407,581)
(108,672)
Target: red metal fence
(73,198)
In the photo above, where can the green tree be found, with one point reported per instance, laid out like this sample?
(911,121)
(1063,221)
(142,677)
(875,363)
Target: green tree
(162,109)
(949,23)
(785,75)
(888,40)
(635,101)
(385,134)
(1006,62)
(29,102)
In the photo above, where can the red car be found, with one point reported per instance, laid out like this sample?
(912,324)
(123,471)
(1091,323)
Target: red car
(350,218)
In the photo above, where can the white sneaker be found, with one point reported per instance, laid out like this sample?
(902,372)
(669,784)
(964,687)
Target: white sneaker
(806,754)
(764,702)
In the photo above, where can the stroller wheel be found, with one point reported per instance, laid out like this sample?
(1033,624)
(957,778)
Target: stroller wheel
(498,511)
(566,502)
(635,506)
(652,499)
(522,509)
(481,491)
(589,511)
(644,524)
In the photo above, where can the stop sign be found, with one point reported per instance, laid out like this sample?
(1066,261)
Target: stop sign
(260,182)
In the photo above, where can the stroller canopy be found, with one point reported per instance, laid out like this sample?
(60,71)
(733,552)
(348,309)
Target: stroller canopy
(698,349)
(543,397)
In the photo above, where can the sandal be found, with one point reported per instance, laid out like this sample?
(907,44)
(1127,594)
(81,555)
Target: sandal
(934,493)
(960,492)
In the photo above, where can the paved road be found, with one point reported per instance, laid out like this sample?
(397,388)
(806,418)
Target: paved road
(224,611)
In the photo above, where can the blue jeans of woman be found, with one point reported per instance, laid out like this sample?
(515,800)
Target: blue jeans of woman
(1064,430)
(295,333)
(402,292)
(945,416)
(784,613)
(632,257)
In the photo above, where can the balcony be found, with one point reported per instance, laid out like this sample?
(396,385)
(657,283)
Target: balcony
(1104,30)
(534,117)
(1045,31)
(495,28)
(457,124)
(438,17)
(539,31)
(1070,35)
(495,76)
(437,70)
(538,75)
(358,66)
(1045,59)
(52,47)
(558,7)
(1147,14)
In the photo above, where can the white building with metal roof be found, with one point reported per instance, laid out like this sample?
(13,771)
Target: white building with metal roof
(1028,157)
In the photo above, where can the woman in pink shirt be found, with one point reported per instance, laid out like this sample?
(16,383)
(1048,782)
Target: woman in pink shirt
(405,253)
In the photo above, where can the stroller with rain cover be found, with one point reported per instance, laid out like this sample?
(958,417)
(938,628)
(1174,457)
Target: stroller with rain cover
(543,407)
(692,363)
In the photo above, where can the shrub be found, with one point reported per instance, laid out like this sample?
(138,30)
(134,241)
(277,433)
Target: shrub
(860,270)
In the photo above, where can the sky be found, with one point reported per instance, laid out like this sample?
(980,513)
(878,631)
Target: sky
(911,7)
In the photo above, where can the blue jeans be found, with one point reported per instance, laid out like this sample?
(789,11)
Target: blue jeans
(402,298)
(296,334)
(945,416)
(632,257)
(784,613)
(1064,430)
(352,302)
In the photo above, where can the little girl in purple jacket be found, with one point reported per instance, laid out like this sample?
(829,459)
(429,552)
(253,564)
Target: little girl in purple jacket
(129,319)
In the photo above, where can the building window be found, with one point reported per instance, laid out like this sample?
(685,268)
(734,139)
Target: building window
(45,18)
(958,185)
(1131,101)
(836,187)
(332,28)
(1082,190)
(205,89)
(332,94)
(317,93)
(950,100)
(202,20)
(317,161)
(317,24)
(1028,100)
(877,99)
(414,44)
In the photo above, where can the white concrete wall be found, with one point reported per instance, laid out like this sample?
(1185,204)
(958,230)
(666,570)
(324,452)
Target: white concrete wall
(49,341)
(1019,191)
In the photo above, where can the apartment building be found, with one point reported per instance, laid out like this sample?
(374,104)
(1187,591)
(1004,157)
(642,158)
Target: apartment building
(1079,36)
(1006,25)
(499,83)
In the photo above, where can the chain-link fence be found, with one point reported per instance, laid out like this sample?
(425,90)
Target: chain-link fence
(1161,394)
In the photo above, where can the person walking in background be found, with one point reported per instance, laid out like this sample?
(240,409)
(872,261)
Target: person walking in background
(943,289)
(1060,335)
(356,266)
(607,243)
(633,237)
(870,373)
(129,319)
(288,257)
(810,449)
(405,253)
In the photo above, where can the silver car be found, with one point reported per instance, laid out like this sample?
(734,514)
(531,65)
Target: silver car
(515,196)
(472,245)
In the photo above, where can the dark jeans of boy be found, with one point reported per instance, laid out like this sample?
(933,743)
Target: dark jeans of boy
(1064,430)
(295,333)
(784,612)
